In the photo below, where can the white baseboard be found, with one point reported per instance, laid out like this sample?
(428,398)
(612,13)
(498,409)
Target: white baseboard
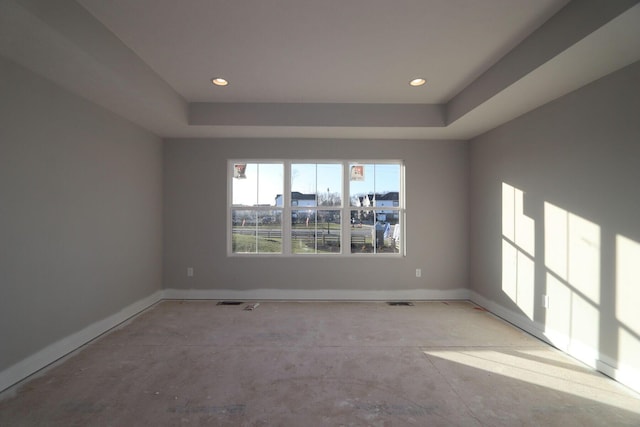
(523,322)
(626,375)
(55,351)
(317,295)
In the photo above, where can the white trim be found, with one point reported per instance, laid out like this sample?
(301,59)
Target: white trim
(345,208)
(318,295)
(287,208)
(624,374)
(48,355)
(523,322)
(66,345)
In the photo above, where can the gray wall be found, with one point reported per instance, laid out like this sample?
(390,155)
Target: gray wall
(581,154)
(195,219)
(80,213)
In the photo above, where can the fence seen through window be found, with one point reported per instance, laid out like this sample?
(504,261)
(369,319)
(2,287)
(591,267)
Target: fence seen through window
(306,208)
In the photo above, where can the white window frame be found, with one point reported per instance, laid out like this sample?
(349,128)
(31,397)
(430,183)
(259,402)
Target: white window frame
(345,209)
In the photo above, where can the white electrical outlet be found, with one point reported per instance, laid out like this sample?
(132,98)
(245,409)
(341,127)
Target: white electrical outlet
(418,272)
(189,271)
(545,301)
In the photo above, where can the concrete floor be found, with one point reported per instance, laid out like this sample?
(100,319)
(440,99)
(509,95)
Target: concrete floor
(316,363)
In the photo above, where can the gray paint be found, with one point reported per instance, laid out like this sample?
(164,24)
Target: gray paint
(80,213)
(308,114)
(195,215)
(580,153)
(572,23)
(65,43)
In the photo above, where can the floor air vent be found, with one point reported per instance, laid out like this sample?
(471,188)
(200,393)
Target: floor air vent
(398,303)
(229,303)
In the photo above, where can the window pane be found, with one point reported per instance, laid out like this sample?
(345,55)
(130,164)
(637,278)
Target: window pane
(387,178)
(371,183)
(303,231)
(244,188)
(244,232)
(361,233)
(259,184)
(363,216)
(392,238)
(361,184)
(329,231)
(316,184)
(270,183)
(303,184)
(329,187)
(269,231)
(256,231)
(377,236)
(315,231)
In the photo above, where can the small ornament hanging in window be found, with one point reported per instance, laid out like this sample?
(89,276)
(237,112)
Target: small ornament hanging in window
(357,173)
(239,170)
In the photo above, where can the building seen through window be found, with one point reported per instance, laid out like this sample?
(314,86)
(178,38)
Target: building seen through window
(313,218)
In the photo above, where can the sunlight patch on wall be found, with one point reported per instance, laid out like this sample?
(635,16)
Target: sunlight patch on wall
(558,321)
(518,250)
(572,261)
(509,270)
(508,212)
(628,302)
(555,237)
(584,257)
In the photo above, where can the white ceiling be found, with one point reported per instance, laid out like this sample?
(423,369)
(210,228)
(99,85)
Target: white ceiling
(151,61)
(355,51)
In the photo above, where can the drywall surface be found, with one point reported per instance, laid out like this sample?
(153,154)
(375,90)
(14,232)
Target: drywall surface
(80,214)
(195,223)
(555,222)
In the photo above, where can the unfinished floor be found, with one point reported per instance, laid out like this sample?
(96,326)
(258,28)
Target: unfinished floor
(319,363)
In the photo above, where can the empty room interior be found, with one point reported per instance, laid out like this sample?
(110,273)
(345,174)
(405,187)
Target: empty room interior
(354,212)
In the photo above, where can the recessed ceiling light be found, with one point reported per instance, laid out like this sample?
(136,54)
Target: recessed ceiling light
(219,81)
(417,82)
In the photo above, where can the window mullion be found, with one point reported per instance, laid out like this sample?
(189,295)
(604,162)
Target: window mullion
(229,208)
(345,247)
(403,211)
(265,178)
(286,210)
